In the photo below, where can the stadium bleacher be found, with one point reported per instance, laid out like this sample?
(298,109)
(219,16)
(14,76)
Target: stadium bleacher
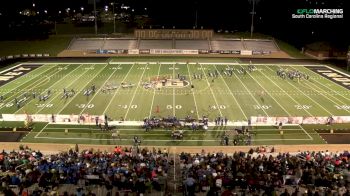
(227,45)
(262,45)
(192,44)
(155,44)
(112,44)
(222,44)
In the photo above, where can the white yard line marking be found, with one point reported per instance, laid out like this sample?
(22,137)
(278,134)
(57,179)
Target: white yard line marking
(109,103)
(286,93)
(99,90)
(268,93)
(154,93)
(308,96)
(194,98)
(147,140)
(322,91)
(30,88)
(337,92)
(211,90)
(30,75)
(57,93)
(306,132)
(256,101)
(36,136)
(87,83)
(245,116)
(173,90)
(133,97)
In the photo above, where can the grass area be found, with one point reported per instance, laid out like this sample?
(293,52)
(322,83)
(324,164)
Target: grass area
(263,135)
(237,97)
(52,46)
(290,50)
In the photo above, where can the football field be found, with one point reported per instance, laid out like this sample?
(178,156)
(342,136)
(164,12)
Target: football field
(133,91)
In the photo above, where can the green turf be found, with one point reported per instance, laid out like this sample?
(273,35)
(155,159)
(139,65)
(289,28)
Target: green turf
(237,98)
(52,46)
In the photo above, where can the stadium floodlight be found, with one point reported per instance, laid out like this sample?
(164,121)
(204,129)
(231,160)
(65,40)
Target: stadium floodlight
(45,11)
(82,9)
(33,4)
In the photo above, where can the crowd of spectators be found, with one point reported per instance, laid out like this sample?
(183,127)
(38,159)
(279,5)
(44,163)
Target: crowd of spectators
(133,169)
(139,170)
(261,173)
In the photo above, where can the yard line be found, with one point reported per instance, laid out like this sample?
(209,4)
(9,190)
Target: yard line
(256,101)
(285,92)
(194,98)
(211,90)
(99,90)
(133,97)
(154,93)
(149,140)
(268,93)
(104,112)
(72,98)
(328,87)
(306,132)
(245,116)
(319,92)
(36,136)
(60,81)
(31,88)
(26,76)
(308,96)
(173,90)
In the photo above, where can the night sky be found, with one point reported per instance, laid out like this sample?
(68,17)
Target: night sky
(272,16)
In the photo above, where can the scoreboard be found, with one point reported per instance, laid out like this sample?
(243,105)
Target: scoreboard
(173,33)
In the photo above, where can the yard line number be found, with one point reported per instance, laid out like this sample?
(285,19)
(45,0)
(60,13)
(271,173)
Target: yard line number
(169,107)
(43,105)
(342,107)
(126,106)
(82,106)
(262,107)
(302,107)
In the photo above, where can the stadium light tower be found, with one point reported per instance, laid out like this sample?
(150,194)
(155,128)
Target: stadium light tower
(252,13)
(113,16)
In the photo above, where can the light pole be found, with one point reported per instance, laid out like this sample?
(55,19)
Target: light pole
(95,17)
(252,24)
(113,17)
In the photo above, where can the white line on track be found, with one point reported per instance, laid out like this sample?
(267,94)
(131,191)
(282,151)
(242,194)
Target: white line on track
(336,92)
(146,140)
(256,101)
(36,136)
(154,93)
(245,116)
(87,83)
(115,93)
(286,93)
(268,93)
(211,90)
(306,132)
(309,97)
(194,97)
(173,90)
(322,91)
(57,93)
(99,90)
(137,87)
(30,88)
